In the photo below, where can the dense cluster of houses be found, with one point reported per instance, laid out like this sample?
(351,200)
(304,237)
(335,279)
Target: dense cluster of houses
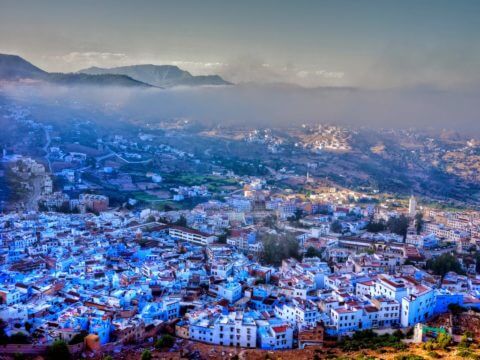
(123,275)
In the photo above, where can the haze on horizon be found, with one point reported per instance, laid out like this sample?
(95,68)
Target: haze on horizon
(365,44)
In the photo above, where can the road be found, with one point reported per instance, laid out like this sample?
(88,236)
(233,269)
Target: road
(113,153)
(46,148)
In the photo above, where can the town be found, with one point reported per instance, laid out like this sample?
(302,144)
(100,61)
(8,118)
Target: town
(113,242)
(239,180)
(261,269)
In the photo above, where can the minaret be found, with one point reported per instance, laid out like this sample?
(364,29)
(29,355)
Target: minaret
(412,206)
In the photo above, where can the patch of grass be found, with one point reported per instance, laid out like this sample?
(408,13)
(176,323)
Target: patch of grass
(467,354)
(368,339)
(408,357)
(141,196)
(434,355)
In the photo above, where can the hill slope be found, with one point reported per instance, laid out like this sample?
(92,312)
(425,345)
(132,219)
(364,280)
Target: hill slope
(15,68)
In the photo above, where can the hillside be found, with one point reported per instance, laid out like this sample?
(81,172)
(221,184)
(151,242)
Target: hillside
(15,68)
(102,80)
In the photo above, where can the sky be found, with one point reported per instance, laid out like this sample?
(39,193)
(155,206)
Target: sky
(379,44)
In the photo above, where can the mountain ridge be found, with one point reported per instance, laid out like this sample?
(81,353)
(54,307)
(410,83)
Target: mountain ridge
(159,75)
(16,68)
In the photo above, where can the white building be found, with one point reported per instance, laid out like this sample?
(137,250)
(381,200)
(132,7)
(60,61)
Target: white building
(231,291)
(193,236)
(233,329)
(345,319)
(412,206)
(418,305)
(276,336)
(299,312)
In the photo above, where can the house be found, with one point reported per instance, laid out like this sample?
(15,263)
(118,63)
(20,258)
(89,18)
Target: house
(418,305)
(299,312)
(274,335)
(231,291)
(346,319)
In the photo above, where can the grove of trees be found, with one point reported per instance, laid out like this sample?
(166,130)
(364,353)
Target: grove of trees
(279,247)
(443,264)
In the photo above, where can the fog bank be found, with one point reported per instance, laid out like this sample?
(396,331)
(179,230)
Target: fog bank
(270,106)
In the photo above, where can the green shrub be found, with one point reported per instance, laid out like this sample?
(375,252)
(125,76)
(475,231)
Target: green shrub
(429,345)
(166,341)
(146,355)
(443,340)
(464,353)
(58,351)
(368,339)
(78,338)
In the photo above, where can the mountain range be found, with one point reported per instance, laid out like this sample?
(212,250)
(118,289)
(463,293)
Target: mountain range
(15,68)
(159,75)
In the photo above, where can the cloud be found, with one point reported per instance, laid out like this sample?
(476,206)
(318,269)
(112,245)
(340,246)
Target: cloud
(251,105)
(396,66)
(248,69)
(93,58)
(245,69)
(77,60)
(330,74)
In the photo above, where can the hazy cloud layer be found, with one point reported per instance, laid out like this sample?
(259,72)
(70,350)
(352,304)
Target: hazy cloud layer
(251,105)
(243,69)
(394,67)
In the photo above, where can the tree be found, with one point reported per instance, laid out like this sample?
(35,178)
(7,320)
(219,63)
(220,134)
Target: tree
(456,309)
(166,341)
(78,338)
(270,221)
(146,355)
(443,264)
(222,238)
(376,227)
(150,219)
(418,222)
(336,227)
(279,247)
(477,261)
(182,221)
(298,214)
(398,225)
(312,252)
(28,326)
(58,351)
(19,338)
